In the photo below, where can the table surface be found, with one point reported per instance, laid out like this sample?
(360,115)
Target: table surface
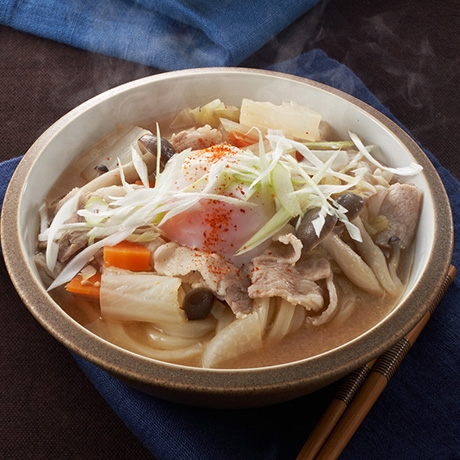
(405,52)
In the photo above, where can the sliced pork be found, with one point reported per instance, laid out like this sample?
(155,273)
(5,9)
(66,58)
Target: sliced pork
(196,138)
(281,272)
(227,281)
(401,206)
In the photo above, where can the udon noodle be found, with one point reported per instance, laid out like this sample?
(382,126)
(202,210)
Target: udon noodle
(240,236)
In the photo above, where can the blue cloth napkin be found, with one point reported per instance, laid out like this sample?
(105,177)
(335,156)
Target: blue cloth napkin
(167,34)
(416,417)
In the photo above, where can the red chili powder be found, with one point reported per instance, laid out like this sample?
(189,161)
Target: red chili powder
(214,153)
(218,221)
(217,152)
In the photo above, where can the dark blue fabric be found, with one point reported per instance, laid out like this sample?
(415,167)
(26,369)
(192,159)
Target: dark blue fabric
(167,34)
(416,418)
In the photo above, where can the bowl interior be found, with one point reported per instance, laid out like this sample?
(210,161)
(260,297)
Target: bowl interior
(161,95)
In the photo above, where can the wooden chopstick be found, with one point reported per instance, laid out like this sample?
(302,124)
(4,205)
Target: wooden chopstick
(359,392)
(336,408)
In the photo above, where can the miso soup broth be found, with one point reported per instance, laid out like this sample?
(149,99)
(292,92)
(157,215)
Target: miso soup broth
(233,240)
(306,342)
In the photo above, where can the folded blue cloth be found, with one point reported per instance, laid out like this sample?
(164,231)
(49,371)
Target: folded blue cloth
(416,417)
(167,34)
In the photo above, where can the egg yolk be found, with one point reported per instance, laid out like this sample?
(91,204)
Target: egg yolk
(215,226)
(211,225)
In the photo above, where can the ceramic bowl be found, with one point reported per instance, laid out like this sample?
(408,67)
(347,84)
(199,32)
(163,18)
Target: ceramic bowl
(162,94)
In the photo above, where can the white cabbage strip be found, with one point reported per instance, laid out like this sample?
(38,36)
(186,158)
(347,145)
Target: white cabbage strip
(142,296)
(243,335)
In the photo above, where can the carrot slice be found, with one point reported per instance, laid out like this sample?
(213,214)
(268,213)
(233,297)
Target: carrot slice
(151,183)
(86,287)
(240,140)
(128,256)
